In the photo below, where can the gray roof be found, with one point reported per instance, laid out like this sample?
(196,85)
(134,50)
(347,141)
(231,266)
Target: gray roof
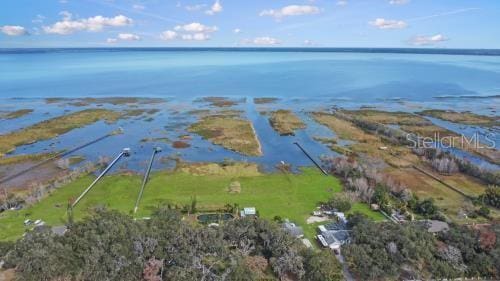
(332,236)
(59,230)
(292,229)
(434,226)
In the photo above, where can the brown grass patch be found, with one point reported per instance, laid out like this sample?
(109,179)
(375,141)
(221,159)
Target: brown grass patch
(285,122)
(230,132)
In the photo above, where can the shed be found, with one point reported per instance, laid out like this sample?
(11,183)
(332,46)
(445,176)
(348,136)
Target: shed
(248,211)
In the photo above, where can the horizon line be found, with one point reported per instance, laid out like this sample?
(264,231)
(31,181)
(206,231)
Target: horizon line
(388,50)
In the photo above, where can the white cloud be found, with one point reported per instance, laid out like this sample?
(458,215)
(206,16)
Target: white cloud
(216,8)
(196,27)
(168,35)
(94,24)
(342,3)
(428,40)
(265,40)
(123,37)
(13,30)
(194,31)
(382,23)
(196,37)
(38,19)
(399,2)
(196,7)
(128,37)
(308,42)
(237,31)
(292,10)
(138,7)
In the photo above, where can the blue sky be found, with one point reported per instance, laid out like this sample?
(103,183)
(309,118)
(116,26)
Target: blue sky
(250,23)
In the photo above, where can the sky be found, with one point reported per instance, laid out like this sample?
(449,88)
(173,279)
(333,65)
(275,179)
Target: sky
(250,23)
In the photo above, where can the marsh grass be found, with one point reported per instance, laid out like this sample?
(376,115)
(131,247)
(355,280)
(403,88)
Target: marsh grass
(285,122)
(230,132)
(16,114)
(467,118)
(54,127)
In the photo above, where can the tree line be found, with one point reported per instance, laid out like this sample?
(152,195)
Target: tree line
(388,251)
(112,246)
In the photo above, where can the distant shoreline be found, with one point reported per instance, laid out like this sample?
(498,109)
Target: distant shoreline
(417,51)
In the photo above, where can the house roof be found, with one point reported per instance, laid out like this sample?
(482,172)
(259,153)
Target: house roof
(435,226)
(292,229)
(59,230)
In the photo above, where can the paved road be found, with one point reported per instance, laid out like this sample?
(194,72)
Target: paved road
(345,270)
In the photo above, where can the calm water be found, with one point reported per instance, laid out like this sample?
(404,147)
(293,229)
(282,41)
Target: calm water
(351,76)
(304,80)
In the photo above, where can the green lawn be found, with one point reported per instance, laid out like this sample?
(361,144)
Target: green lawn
(292,196)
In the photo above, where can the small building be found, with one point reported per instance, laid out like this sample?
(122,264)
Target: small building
(398,217)
(375,207)
(317,213)
(341,217)
(293,229)
(306,243)
(59,230)
(248,211)
(434,226)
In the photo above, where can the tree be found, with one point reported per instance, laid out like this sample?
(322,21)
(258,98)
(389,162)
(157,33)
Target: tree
(322,267)
(112,246)
(426,208)
(339,203)
(491,196)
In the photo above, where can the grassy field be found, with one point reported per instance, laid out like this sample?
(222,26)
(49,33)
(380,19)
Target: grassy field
(422,185)
(292,196)
(230,132)
(418,125)
(54,127)
(468,118)
(285,122)
(363,142)
(385,117)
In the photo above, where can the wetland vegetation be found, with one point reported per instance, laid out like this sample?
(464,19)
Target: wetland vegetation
(15,114)
(54,127)
(233,133)
(285,122)
(467,117)
(369,162)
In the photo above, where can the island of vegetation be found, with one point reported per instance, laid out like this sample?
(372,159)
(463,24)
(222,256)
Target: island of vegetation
(220,101)
(233,133)
(285,122)
(265,100)
(467,118)
(15,114)
(54,127)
